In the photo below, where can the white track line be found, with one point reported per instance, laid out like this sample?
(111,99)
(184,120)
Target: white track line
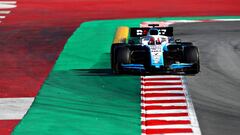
(168,126)
(170,81)
(164,86)
(192,113)
(167,118)
(165,104)
(4,12)
(164,111)
(14,108)
(7,6)
(163,98)
(8,2)
(225,20)
(165,91)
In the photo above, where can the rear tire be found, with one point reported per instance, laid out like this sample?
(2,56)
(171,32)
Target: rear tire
(191,55)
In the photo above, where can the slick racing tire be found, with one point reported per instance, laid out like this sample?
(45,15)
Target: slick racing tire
(114,47)
(122,57)
(191,55)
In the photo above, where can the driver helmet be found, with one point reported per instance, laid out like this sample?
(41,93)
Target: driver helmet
(151,41)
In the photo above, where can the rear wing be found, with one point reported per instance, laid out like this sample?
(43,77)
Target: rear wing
(139,32)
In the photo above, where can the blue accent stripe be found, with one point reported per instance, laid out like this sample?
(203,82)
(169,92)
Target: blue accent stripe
(132,65)
(181,65)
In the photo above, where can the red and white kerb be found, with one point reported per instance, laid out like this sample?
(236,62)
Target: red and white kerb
(5,8)
(166,107)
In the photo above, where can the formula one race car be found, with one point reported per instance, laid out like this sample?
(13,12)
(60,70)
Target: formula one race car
(152,50)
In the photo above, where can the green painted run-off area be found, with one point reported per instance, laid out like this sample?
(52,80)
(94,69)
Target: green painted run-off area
(81,96)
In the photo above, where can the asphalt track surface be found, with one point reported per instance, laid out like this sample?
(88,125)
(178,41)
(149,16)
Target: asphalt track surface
(215,90)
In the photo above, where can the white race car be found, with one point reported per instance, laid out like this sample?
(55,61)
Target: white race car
(153,50)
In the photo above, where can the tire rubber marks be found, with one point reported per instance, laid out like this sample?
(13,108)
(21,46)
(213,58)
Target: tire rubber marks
(5,8)
(166,107)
